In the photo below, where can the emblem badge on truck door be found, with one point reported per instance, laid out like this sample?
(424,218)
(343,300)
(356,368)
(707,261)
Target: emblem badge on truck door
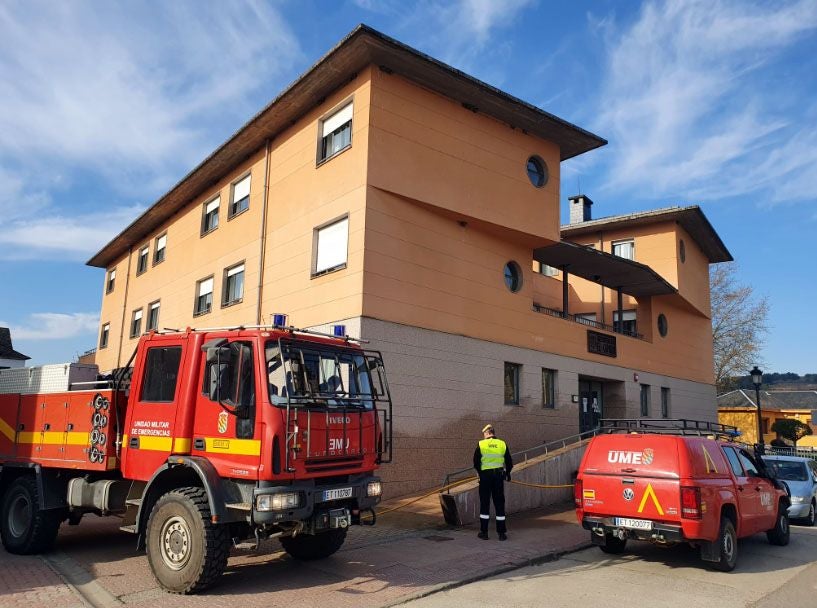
(222,422)
(628,494)
(648,456)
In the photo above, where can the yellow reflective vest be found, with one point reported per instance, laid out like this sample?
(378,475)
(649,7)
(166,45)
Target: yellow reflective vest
(493,453)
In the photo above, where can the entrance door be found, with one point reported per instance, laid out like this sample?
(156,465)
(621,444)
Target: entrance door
(591,404)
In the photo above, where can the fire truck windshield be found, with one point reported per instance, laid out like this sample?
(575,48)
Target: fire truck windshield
(305,373)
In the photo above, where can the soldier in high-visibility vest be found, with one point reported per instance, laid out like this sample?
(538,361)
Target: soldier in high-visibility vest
(492,460)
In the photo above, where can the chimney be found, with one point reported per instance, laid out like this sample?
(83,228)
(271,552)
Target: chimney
(580,208)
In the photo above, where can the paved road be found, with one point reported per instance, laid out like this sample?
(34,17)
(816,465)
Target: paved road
(654,577)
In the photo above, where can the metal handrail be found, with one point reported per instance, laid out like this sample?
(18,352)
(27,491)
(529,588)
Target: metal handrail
(584,321)
(526,454)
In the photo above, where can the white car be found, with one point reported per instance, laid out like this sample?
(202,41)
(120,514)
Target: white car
(800,474)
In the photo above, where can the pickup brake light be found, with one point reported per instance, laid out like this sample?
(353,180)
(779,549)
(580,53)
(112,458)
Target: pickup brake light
(577,493)
(691,503)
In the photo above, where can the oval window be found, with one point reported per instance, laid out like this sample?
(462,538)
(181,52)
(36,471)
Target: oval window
(662,325)
(537,171)
(513,276)
(682,251)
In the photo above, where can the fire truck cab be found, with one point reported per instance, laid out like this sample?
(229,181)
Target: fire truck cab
(222,435)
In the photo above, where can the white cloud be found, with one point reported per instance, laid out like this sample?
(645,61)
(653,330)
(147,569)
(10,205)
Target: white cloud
(57,236)
(54,326)
(687,105)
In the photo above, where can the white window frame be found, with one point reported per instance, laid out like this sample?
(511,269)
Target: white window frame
(136,323)
(207,282)
(238,185)
(229,273)
(337,119)
(617,244)
(144,253)
(211,206)
(160,248)
(334,254)
(151,307)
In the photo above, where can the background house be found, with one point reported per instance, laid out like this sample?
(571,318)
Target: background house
(739,408)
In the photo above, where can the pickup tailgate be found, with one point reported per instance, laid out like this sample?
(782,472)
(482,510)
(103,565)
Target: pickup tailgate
(631,477)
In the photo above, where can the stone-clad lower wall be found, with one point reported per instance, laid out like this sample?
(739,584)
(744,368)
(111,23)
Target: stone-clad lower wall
(445,387)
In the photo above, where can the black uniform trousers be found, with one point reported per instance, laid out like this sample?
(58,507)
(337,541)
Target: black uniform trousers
(492,486)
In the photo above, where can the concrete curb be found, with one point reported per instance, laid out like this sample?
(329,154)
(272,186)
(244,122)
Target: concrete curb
(550,556)
(80,581)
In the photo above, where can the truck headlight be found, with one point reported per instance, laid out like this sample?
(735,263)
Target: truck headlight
(798,499)
(278,502)
(374,488)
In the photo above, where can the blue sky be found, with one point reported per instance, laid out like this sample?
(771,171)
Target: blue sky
(104,106)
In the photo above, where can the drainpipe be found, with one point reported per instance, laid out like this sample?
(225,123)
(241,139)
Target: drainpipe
(258,316)
(124,308)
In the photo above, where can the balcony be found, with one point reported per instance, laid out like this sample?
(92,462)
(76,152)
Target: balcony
(586,322)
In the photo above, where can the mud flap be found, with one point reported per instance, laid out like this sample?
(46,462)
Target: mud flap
(450,512)
(710,551)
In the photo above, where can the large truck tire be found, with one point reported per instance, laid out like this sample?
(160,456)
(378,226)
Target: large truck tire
(26,528)
(186,551)
(779,535)
(728,541)
(307,547)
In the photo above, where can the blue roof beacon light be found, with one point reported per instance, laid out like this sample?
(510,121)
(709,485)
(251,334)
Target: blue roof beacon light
(279,320)
(339,331)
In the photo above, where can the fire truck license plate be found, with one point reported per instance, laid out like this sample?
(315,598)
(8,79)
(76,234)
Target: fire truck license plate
(337,494)
(636,524)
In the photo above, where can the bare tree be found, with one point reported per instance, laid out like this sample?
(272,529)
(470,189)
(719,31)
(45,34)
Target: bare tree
(739,325)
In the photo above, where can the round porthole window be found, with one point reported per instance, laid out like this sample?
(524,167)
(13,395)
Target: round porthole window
(513,276)
(682,251)
(662,325)
(537,171)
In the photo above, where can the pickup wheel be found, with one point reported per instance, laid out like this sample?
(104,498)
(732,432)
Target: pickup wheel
(26,528)
(186,551)
(728,542)
(307,547)
(779,535)
(613,545)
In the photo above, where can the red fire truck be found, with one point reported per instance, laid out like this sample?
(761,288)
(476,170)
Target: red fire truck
(221,435)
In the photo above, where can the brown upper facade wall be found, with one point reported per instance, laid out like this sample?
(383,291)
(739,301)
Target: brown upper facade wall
(431,149)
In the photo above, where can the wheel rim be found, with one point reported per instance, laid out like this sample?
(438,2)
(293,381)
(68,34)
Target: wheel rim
(174,543)
(728,547)
(811,514)
(784,524)
(19,515)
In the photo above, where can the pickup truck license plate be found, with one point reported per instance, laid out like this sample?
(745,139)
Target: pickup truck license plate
(337,494)
(636,524)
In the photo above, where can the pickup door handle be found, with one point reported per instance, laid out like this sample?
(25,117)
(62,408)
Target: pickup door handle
(757,488)
(740,488)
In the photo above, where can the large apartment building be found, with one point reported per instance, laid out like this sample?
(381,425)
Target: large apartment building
(419,207)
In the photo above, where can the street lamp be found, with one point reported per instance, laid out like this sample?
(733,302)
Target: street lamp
(757,380)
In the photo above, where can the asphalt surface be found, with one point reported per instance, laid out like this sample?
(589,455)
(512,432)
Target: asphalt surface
(652,577)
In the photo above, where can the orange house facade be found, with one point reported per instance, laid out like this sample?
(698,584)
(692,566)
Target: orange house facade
(419,207)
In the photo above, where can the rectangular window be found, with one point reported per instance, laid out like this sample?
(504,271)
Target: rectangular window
(209,220)
(664,402)
(586,318)
(103,335)
(161,374)
(548,387)
(645,399)
(335,133)
(111,280)
(233,285)
(142,262)
(240,199)
(627,325)
(153,316)
(159,251)
(512,383)
(548,271)
(204,297)
(330,247)
(734,463)
(624,249)
(136,324)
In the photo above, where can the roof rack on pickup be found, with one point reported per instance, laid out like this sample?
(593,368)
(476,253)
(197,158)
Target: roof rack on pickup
(668,426)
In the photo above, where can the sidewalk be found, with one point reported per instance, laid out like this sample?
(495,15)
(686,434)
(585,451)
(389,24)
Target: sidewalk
(408,554)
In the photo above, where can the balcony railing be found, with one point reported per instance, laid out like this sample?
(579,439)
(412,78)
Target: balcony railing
(584,321)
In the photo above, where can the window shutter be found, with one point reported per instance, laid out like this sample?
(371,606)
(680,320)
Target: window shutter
(235,271)
(206,287)
(161,242)
(212,205)
(333,242)
(137,316)
(241,189)
(337,119)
